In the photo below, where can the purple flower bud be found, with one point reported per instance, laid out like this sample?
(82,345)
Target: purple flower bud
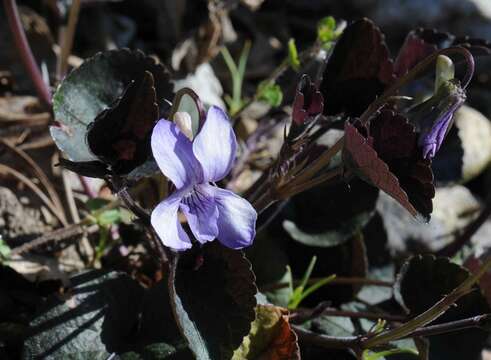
(434,118)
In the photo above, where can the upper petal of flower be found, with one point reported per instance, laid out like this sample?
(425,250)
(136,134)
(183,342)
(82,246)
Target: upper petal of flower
(236,219)
(215,145)
(202,213)
(173,152)
(166,223)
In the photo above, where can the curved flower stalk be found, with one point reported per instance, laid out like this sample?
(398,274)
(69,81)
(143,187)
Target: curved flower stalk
(194,166)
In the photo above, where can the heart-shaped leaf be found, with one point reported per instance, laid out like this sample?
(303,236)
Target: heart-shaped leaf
(358,70)
(120,135)
(422,42)
(94,87)
(94,320)
(424,280)
(391,160)
(213,296)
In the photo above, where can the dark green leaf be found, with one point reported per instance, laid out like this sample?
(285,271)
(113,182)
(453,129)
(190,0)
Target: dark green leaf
(120,135)
(213,295)
(94,87)
(271,273)
(424,280)
(96,319)
(331,237)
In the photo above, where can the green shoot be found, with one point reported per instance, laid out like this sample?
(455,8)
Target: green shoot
(4,250)
(369,355)
(237,72)
(105,219)
(300,293)
(293,59)
(270,93)
(328,31)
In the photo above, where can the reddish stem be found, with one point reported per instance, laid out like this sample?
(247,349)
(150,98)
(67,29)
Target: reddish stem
(25,51)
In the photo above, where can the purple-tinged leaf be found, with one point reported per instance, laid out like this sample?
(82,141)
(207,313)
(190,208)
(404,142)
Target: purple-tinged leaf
(421,43)
(362,159)
(358,70)
(391,160)
(120,135)
(308,101)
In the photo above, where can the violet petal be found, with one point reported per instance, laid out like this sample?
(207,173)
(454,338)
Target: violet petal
(166,223)
(202,213)
(174,154)
(236,219)
(215,145)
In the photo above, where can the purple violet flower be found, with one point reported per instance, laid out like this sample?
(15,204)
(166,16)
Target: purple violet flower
(194,166)
(434,118)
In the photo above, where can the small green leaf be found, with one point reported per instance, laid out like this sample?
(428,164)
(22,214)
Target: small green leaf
(300,293)
(293,55)
(237,73)
(107,217)
(4,250)
(270,93)
(326,29)
(369,355)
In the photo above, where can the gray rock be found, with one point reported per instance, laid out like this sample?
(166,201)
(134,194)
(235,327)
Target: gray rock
(17,221)
(475,133)
(452,206)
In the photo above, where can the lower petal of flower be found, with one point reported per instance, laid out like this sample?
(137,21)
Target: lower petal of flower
(236,219)
(166,223)
(201,212)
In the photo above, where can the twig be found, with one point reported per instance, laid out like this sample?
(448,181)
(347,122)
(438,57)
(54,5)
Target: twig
(25,51)
(66,232)
(454,247)
(66,45)
(22,178)
(87,248)
(144,217)
(73,61)
(473,322)
(303,315)
(57,235)
(43,178)
(326,341)
(28,119)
